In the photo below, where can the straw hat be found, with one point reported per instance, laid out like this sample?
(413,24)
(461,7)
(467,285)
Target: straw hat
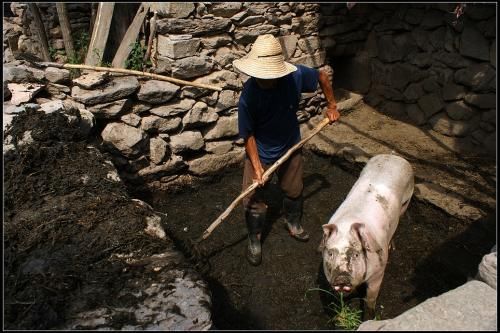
(265,60)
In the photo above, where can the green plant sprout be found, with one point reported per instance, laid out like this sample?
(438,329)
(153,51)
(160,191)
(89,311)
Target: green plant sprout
(135,60)
(344,316)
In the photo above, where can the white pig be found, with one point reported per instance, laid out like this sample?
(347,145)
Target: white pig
(356,239)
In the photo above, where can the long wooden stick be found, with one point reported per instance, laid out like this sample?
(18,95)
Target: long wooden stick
(341,106)
(266,174)
(131,72)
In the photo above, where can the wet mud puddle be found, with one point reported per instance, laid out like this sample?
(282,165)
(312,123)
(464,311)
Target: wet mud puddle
(434,252)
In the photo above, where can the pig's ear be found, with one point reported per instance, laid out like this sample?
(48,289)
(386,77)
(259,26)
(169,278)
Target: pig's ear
(366,238)
(328,230)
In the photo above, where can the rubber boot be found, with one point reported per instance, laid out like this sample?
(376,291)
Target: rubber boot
(254,220)
(293,218)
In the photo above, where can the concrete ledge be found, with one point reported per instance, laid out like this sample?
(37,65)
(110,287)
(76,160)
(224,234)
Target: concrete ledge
(471,306)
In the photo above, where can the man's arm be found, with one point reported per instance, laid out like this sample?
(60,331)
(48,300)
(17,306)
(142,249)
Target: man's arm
(253,155)
(325,84)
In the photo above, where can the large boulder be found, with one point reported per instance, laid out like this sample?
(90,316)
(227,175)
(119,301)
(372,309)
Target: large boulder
(470,307)
(473,44)
(172,9)
(430,104)
(225,127)
(169,167)
(117,88)
(110,110)
(176,47)
(158,149)
(186,141)
(57,75)
(225,9)
(160,124)
(211,164)
(443,124)
(195,27)
(23,92)
(126,139)
(190,67)
(157,92)
(478,77)
(173,109)
(199,115)
(487,270)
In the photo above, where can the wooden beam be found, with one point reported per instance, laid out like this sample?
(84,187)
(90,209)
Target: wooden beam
(152,33)
(93,8)
(42,36)
(130,37)
(100,33)
(62,13)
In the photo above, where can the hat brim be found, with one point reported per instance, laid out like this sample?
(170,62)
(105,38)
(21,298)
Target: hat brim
(263,70)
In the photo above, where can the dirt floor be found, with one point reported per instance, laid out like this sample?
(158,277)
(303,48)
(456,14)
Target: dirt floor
(62,219)
(434,252)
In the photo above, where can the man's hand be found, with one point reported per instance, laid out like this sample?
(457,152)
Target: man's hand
(258,175)
(332,113)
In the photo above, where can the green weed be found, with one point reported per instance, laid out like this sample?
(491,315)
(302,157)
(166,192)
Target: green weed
(100,62)
(81,42)
(135,60)
(52,52)
(344,317)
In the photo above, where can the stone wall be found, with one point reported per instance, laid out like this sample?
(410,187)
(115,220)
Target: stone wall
(157,130)
(420,63)
(417,62)
(22,33)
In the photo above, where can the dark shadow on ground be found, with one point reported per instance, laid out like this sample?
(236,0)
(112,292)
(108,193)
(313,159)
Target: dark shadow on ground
(232,318)
(455,261)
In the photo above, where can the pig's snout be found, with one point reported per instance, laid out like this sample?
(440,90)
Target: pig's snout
(342,284)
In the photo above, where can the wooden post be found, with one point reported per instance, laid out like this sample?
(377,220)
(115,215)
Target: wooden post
(41,30)
(130,36)
(100,33)
(152,32)
(93,8)
(65,29)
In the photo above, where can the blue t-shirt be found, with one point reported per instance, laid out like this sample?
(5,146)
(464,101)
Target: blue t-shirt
(270,114)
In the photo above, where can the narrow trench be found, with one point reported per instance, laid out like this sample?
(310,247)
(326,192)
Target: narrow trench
(434,252)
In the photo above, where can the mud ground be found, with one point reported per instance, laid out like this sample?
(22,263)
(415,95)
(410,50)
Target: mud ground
(63,218)
(434,252)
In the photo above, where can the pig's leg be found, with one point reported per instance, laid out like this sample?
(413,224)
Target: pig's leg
(372,291)
(392,245)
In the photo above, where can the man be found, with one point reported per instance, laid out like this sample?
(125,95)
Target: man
(268,123)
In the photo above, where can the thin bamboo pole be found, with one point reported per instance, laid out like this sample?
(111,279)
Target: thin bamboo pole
(132,72)
(341,106)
